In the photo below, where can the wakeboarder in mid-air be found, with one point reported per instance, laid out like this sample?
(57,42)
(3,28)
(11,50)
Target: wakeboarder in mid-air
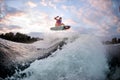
(59,25)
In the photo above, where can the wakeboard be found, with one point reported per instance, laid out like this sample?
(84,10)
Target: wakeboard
(60,28)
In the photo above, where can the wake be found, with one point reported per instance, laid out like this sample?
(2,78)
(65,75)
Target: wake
(82,59)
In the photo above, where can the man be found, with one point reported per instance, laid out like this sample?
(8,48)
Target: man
(58,21)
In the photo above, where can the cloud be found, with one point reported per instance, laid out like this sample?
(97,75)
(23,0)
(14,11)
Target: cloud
(2,9)
(10,11)
(31,4)
(36,34)
(101,5)
(14,14)
(51,4)
(58,1)
(89,19)
(30,22)
(96,14)
(70,22)
(64,7)
(9,28)
(118,29)
(9,18)
(7,24)
(70,8)
(48,3)
(43,2)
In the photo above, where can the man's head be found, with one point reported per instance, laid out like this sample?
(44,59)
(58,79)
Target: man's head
(60,18)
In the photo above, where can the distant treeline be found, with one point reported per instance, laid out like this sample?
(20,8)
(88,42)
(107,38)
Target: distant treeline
(19,37)
(113,41)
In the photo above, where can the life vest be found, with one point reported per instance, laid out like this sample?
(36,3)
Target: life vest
(59,21)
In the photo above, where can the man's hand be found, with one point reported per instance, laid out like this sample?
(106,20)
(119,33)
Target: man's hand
(57,16)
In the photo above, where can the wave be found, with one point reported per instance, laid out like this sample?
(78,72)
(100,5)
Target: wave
(82,59)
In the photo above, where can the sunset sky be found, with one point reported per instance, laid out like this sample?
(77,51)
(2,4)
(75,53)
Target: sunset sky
(100,17)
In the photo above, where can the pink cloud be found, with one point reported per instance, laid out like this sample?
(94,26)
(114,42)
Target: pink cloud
(98,16)
(6,30)
(102,19)
(118,29)
(70,22)
(14,14)
(9,28)
(101,5)
(31,4)
(37,21)
(89,22)
(6,19)
(64,7)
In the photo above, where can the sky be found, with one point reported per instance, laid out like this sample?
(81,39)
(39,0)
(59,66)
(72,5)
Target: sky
(99,17)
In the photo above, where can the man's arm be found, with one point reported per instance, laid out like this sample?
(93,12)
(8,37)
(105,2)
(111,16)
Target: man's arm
(56,18)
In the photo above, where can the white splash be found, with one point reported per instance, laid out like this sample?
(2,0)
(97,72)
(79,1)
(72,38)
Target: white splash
(82,59)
